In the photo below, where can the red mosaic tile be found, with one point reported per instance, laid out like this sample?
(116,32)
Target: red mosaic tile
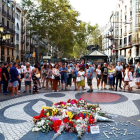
(101,97)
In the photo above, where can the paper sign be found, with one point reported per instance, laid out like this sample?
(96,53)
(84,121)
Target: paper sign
(94,129)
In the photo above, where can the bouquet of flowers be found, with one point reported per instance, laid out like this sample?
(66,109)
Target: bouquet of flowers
(72,116)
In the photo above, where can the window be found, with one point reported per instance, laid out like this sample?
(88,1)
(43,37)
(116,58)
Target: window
(2,7)
(17,16)
(7,24)
(12,26)
(12,39)
(17,36)
(12,52)
(7,11)
(137,51)
(7,51)
(3,21)
(125,53)
(17,26)
(137,20)
(120,52)
(130,39)
(120,42)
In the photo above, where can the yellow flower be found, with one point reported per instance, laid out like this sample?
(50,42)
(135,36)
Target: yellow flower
(48,114)
(70,115)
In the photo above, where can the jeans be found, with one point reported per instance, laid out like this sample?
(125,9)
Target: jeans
(117,79)
(5,85)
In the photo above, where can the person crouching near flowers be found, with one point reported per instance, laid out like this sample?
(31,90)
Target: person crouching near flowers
(82,75)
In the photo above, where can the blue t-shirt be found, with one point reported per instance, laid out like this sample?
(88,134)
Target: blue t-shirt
(119,68)
(63,73)
(14,73)
(91,70)
(75,71)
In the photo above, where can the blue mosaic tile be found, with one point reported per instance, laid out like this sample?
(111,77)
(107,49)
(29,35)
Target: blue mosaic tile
(55,95)
(2,137)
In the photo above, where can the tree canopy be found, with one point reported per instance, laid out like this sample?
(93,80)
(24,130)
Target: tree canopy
(57,22)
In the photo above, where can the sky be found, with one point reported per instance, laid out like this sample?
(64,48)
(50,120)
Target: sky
(94,11)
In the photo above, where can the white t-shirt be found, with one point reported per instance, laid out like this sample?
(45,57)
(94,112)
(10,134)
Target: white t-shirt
(56,71)
(98,71)
(81,74)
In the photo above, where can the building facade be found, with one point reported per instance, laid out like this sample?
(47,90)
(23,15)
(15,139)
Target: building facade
(122,30)
(7,19)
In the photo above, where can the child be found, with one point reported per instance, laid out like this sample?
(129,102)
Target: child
(131,79)
(27,78)
(81,83)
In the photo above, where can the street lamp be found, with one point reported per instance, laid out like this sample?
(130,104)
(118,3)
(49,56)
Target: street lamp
(36,46)
(3,36)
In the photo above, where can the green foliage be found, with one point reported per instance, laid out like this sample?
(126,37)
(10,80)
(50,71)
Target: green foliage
(57,22)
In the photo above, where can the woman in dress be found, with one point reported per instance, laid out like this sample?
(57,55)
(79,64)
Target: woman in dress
(69,76)
(49,76)
(35,79)
(55,78)
(98,75)
(82,75)
(126,78)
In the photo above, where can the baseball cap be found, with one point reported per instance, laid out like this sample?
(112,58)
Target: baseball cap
(89,63)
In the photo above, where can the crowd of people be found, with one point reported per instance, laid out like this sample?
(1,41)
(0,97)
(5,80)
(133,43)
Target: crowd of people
(65,74)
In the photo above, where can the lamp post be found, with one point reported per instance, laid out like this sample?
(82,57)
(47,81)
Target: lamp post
(36,46)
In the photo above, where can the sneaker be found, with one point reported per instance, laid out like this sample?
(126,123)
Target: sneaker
(120,87)
(5,93)
(25,92)
(89,91)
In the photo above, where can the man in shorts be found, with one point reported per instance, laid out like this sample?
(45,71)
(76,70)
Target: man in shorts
(90,76)
(14,79)
(104,74)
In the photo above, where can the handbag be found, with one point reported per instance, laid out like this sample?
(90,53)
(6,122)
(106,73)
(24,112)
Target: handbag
(37,75)
(57,77)
(78,79)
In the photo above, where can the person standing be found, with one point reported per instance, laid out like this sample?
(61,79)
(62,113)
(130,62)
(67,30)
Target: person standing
(14,78)
(126,78)
(49,76)
(90,76)
(82,75)
(43,78)
(98,75)
(119,70)
(63,71)
(55,78)
(69,76)
(27,79)
(137,76)
(104,74)
(0,77)
(74,75)
(20,72)
(5,78)
(110,77)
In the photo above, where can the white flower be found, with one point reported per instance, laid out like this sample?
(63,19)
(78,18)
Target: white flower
(36,129)
(40,123)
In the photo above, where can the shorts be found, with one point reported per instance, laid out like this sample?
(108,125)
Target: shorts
(63,79)
(89,82)
(104,79)
(27,83)
(38,79)
(137,80)
(99,76)
(15,84)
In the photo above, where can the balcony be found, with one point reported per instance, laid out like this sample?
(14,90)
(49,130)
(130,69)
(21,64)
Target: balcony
(22,41)
(8,16)
(13,19)
(109,36)
(130,18)
(137,25)
(11,30)
(120,25)
(116,36)
(121,36)
(125,13)
(125,33)
(136,42)
(12,44)
(130,8)
(3,12)
(32,45)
